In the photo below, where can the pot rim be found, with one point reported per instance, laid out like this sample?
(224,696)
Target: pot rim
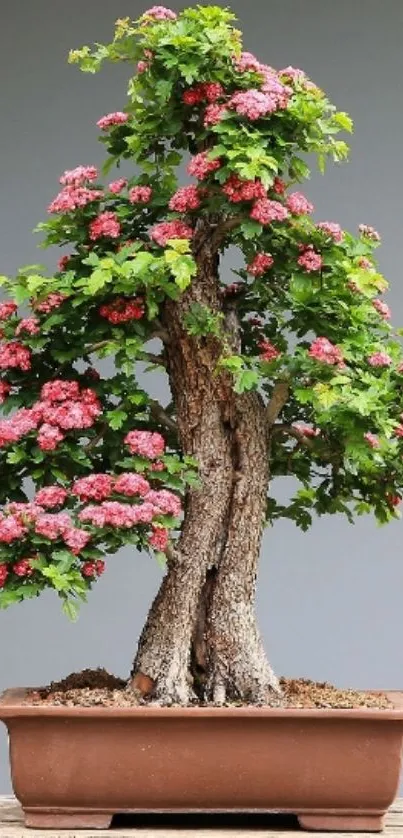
(12,705)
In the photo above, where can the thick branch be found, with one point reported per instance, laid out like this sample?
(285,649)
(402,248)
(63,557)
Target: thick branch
(278,399)
(225,227)
(159,360)
(158,413)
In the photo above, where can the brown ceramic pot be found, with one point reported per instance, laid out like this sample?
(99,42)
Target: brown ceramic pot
(75,767)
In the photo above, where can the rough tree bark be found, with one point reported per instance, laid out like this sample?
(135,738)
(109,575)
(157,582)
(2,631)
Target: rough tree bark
(201,640)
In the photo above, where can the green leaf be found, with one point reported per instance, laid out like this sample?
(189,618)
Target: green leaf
(247,380)
(71,609)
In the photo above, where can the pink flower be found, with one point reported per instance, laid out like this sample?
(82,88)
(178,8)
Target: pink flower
(323,350)
(142,66)
(76,539)
(160,13)
(111,119)
(79,175)
(306,430)
(201,166)
(159,539)
(30,325)
(50,496)
(165,502)
(186,198)
(382,309)
(60,391)
(166,230)
(193,95)
(14,355)
(237,189)
(260,264)
(12,429)
(246,62)
(131,484)
(109,513)
(372,440)
(52,525)
(3,575)
(72,198)
(23,568)
(148,444)
(5,389)
(379,359)
(266,211)
(106,224)
(94,487)
(310,260)
(293,74)
(213,114)
(252,103)
(298,204)
(365,264)
(157,465)
(140,194)
(24,513)
(90,569)
(122,310)
(332,230)
(398,431)
(10,529)
(393,500)
(7,309)
(369,232)
(49,437)
(213,90)
(279,186)
(206,91)
(268,351)
(53,300)
(116,186)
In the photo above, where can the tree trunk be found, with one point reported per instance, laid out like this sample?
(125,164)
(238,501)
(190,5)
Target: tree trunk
(200,640)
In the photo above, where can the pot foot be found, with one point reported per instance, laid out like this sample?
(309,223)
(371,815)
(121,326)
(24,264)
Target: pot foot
(323,822)
(43,819)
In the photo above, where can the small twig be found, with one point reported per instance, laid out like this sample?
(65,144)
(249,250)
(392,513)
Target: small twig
(222,229)
(159,360)
(296,433)
(278,399)
(94,441)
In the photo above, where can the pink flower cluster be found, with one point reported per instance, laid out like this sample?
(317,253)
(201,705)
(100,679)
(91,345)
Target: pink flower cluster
(10,529)
(380,359)
(365,264)
(201,166)
(160,13)
(332,230)
(266,211)
(74,197)
(15,427)
(95,487)
(203,92)
(309,259)
(51,496)
(79,176)
(238,189)
(105,225)
(30,325)
(323,350)
(5,389)
(59,525)
(252,103)
(186,198)
(279,186)
(13,355)
(398,431)
(213,114)
(268,351)
(260,264)
(91,569)
(3,575)
(7,309)
(166,230)
(246,62)
(116,514)
(148,444)
(111,119)
(372,439)
(140,194)
(382,309)
(122,310)
(159,539)
(23,568)
(165,502)
(298,204)
(369,232)
(51,301)
(116,186)
(306,430)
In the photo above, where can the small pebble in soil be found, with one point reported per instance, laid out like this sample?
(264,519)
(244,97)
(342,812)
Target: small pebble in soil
(97,687)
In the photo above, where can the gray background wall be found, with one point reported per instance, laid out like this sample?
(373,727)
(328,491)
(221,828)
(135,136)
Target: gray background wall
(330,601)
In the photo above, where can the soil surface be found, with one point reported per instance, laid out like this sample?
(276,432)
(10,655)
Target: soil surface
(94,687)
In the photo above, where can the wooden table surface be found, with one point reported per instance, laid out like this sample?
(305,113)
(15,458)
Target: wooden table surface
(194,826)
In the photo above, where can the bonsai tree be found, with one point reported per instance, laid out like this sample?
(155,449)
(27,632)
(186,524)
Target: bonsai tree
(293,369)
